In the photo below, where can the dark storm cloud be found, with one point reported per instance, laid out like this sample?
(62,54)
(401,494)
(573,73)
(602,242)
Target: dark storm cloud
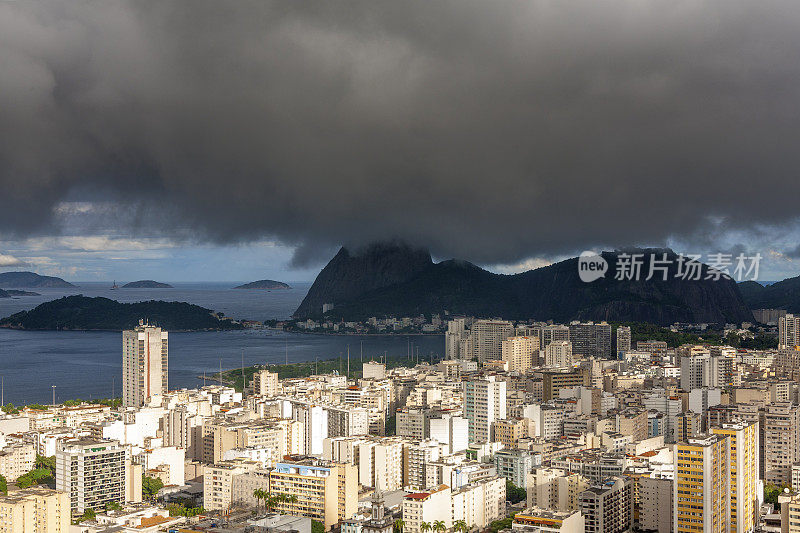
(486,130)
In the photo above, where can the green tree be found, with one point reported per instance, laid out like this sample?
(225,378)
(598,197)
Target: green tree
(515,494)
(113,506)
(461,525)
(88,514)
(399,525)
(151,486)
(391,425)
(497,525)
(9,409)
(771,493)
(317,526)
(258,494)
(3,485)
(425,527)
(438,526)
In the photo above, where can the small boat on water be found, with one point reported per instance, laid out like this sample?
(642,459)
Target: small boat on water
(114,286)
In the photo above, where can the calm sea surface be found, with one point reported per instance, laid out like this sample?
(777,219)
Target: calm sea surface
(88,364)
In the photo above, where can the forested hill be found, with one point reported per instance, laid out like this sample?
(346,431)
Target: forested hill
(84,313)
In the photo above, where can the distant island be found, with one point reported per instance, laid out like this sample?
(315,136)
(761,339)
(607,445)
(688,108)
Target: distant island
(16,292)
(10,293)
(264,284)
(31,280)
(84,313)
(147,284)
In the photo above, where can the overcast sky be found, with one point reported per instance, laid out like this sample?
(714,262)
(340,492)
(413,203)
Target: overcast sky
(241,139)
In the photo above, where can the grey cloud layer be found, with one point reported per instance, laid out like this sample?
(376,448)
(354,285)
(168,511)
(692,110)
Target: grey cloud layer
(481,129)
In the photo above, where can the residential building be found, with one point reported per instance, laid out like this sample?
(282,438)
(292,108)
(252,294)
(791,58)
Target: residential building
(558,354)
(17,459)
(265,383)
(781,442)
(623,340)
(144,364)
(702,485)
(487,338)
(36,509)
(788,331)
(479,504)
(95,472)
(607,507)
(514,465)
(326,491)
(744,474)
(520,353)
(656,504)
(484,403)
(427,507)
(590,339)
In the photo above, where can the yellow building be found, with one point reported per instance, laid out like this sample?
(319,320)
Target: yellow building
(325,491)
(744,474)
(510,430)
(36,509)
(702,486)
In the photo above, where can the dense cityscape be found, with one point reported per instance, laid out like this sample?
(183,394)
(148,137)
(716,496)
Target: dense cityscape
(399,266)
(536,427)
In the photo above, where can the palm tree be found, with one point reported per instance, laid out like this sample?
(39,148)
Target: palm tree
(461,525)
(439,527)
(271,500)
(291,498)
(399,524)
(259,495)
(425,527)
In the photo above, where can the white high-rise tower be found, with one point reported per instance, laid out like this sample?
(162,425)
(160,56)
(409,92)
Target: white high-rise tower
(144,364)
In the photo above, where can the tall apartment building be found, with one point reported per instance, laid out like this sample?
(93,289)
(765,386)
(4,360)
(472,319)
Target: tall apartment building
(788,331)
(96,472)
(144,364)
(744,476)
(548,333)
(702,485)
(655,503)
(381,464)
(417,457)
(520,353)
(484,403)
(608,506)
(781,442)
(590,339)
(36,510)
(623,340)
(694,368)
(487,338)
(414,423)
(457,344)
(558,354)
(265,383)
